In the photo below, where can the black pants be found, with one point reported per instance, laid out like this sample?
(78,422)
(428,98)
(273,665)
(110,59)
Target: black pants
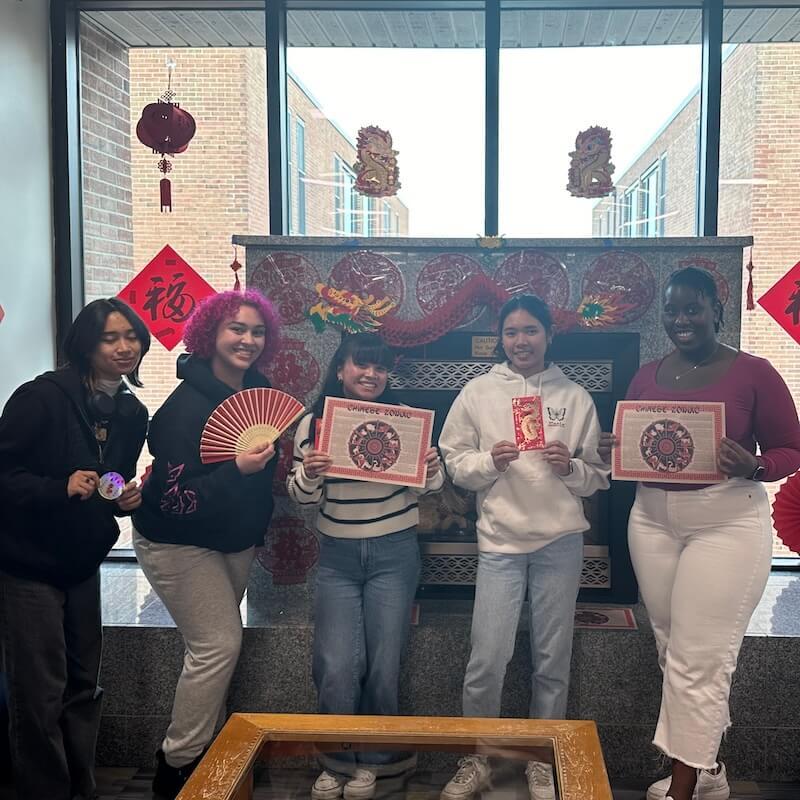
(51,642)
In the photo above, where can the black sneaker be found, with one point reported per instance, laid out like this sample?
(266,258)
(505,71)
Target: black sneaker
(168,781)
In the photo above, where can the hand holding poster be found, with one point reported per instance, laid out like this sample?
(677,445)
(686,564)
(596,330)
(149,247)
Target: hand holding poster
(668,442)
(375,442)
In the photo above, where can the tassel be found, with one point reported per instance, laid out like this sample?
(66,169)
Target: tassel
(750,302)
(166,195)
(236,266)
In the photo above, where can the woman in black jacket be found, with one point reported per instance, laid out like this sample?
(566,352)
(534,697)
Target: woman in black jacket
(69,439)
(199,524)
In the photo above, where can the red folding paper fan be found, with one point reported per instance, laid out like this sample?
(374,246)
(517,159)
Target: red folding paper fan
(247,419)
(786,513)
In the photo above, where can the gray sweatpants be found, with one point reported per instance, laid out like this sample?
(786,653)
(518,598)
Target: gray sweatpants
(202,590)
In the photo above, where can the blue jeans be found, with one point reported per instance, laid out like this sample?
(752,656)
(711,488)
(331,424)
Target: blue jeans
(365,591)
(551,576)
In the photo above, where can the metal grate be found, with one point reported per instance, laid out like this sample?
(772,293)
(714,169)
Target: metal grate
(438,376)
(461,569)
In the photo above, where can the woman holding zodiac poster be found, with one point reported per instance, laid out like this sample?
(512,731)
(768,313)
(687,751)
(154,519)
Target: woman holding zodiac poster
(369,563)
(702,553)
(524,437)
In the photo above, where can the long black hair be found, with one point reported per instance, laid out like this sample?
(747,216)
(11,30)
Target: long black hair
(363,348)
(701,282)
(86,332)
(534,305)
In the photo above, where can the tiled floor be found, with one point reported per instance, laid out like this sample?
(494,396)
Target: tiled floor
(131,784)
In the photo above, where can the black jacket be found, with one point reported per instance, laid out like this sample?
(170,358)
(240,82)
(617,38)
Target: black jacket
(45,435)
(187,502)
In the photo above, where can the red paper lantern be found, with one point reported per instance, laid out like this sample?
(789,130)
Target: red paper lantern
(165,128)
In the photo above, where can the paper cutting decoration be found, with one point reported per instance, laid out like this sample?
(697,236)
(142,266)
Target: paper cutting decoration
(294,368)
(590,168)
(786,513)
(377,174)
(164,294)
(347,310)
(245,420)
(288,280)
(535,272)
(782,302)
(290,550)
(622,283)
(441,278)
(365,273)
(166,128)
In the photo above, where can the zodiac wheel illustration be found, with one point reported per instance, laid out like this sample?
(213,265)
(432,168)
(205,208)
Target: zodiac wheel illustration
(374,446)
(667,446)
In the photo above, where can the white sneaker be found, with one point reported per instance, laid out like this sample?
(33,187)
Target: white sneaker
(472,777)
(327,786)
(540,781)
(361,786)
(711,785)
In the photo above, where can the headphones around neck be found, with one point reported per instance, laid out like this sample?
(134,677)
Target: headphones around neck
(102,407)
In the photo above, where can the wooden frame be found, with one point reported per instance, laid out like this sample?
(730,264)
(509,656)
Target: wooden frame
(226,772)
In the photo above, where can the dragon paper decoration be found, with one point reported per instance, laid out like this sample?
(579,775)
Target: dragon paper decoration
(347,310)
(376,170)
(590,169)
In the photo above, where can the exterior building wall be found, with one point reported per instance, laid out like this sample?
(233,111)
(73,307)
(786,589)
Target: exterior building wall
(106,159)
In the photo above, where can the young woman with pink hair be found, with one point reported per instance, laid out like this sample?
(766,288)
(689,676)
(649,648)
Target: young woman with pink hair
(198,525)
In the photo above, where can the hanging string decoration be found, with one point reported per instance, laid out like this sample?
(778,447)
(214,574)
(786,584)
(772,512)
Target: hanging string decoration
(590,168)
(377,174)
(166,128)
(236,266)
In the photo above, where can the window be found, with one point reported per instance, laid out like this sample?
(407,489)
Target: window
(290,223)
(563,70)
(387,218)
(648,202)
(348,213)
(300,160)
(417,73)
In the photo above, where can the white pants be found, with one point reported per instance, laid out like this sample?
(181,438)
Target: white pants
(202,590)
(702,559)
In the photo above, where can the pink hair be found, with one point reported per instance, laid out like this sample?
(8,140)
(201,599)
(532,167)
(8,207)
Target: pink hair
(200,333)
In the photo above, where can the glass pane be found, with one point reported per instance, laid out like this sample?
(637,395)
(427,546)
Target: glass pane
(218,185)
(635,72)
(759,165)
(405,72)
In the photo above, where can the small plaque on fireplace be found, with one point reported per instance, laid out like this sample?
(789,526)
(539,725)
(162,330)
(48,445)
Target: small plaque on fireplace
(483,346)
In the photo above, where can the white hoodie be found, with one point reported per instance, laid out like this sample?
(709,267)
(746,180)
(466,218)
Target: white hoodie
(527,506)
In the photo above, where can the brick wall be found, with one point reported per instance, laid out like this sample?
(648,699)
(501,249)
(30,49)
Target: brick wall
(106,160)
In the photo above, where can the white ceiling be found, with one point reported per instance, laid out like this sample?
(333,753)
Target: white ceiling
(443,29)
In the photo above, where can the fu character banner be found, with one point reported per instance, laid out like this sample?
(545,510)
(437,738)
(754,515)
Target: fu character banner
(376,442)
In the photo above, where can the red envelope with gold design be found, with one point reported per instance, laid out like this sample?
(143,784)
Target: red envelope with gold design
(528,422)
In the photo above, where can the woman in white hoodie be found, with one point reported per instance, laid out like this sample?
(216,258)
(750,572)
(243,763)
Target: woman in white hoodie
(530,524)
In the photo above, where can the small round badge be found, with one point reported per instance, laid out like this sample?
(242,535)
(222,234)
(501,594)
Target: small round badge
(111,485)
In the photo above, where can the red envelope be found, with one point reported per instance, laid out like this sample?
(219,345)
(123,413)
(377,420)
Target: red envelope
(528,423)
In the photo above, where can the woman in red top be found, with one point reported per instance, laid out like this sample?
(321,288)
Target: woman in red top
(702,554)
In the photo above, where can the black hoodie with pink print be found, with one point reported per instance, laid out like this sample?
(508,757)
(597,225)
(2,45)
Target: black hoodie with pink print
(185,501)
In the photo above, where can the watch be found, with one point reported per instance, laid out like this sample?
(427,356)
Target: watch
(758,472)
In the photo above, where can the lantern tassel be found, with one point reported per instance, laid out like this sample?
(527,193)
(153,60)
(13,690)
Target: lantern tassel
(750,302)
(236,266)
(166,195)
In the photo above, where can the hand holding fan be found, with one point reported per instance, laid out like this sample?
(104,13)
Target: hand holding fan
(245,420)
(786,513)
